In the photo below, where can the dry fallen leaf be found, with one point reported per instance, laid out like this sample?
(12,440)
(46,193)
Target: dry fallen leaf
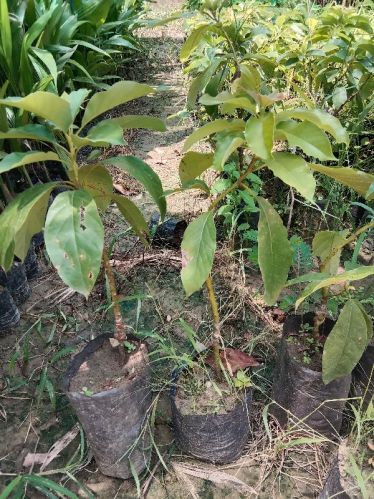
(234,360)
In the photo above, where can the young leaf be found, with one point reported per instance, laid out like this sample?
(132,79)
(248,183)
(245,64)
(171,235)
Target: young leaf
(133,216)
(193,41)
(346,343)
(259,134)
(16,159)
(74,238)
(98,182)
(75,100)
(294,171)
(211,128)
(226,145)
(193,164)
(358,181)
(274,251)
(198,248)
(328,244)
(144,174)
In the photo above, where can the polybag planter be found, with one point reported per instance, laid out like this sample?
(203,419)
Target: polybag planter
(9,313)
(16,282)
(363,376)
(31,263)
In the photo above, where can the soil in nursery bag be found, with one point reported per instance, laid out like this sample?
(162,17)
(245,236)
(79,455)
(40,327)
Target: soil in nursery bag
(112,399)
(31,263)
(9,313)
(16,282)
(210,419)
(168,234)
(298,387)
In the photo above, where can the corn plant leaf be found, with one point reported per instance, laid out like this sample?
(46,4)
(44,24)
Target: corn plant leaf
(309,137)
(294,171)
(119,93)
(98,182)
(274,251)
(74,238)
(226,146)
(75,100)
(104,134)
(198,248)
(320,118)
(259,134)
(193,164)
(133,216)
(32,131)
(16,159)
(193,41)
(346,342)
(328,245)
(351,275)
(46,105)
(355,179)
(216,126)
(144,174)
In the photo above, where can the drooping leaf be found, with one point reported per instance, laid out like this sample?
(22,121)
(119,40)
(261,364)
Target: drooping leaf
(294,171)
(211,128)
(98,182)
(346,343)
(309,137)
(119,93)
(327,245)
(226,146)
(32,131)
(193,164)
(351,275)
(16,159)
(74,238)
(234,360)
(193,41)
(274,251)
(198,248)
(356,179)
(145,175)
(133,216)
(259,134)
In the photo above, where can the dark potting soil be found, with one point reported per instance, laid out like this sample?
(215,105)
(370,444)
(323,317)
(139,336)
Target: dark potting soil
(106,369)
(199,392)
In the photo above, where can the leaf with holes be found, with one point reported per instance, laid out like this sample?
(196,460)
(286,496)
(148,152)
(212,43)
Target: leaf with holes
(74,238)
(98,182)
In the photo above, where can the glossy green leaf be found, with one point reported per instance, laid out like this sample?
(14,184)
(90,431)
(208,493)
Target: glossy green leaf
(46,105)
(327,245)
(119,93)
(75,100)
(98,182)
(198,248)
(193,41)
(274,251)
(104,134)
(294,171)
(16,159)
(351,275)
(133,216)
(145,175)
(355,179)
(74,238)
(193,164)
(309,137)
(226,146)
(346,343)
(33,132)
(259,134)
(49,62)
(216,126)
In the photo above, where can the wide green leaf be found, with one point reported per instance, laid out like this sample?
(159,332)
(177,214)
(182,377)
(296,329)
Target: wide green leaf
(193,164)
(133,216)
(46,105)
(309,137)
(102,135)
(216,126)
(198,248)
(98,182)
(119,93)
(327,245)
(355,179)
(226,146)
(75,100)
(274,251)
(16,159)
(74,238)
(346,343)
(294,171)
(32,131)
(351,275)
(259,134)
(145,175)
(193,41)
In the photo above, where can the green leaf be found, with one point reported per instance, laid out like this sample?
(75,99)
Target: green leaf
(119,93)
(259,134)
(98,182)
(213,127)
(355,179)
(346,343)
(226,146)
(16,159)
(145,175)
(46,105)
(309,137)
(137,121)
(274,251)
(193,41)
(351,275)
(328,244)
(320,118)
(5,33)
(195,184)
(34,132)
(193,164)
(294,171)
(133,216)
(16,482)
(74,238)
(339,97)
(104,134)
(75,100)
(198,248)
(49,62)
(43,484)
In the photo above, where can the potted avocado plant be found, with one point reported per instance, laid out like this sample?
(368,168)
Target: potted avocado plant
(107,383)
(261,133)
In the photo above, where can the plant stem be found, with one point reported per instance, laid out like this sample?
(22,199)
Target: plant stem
(217,326)
(119,326)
